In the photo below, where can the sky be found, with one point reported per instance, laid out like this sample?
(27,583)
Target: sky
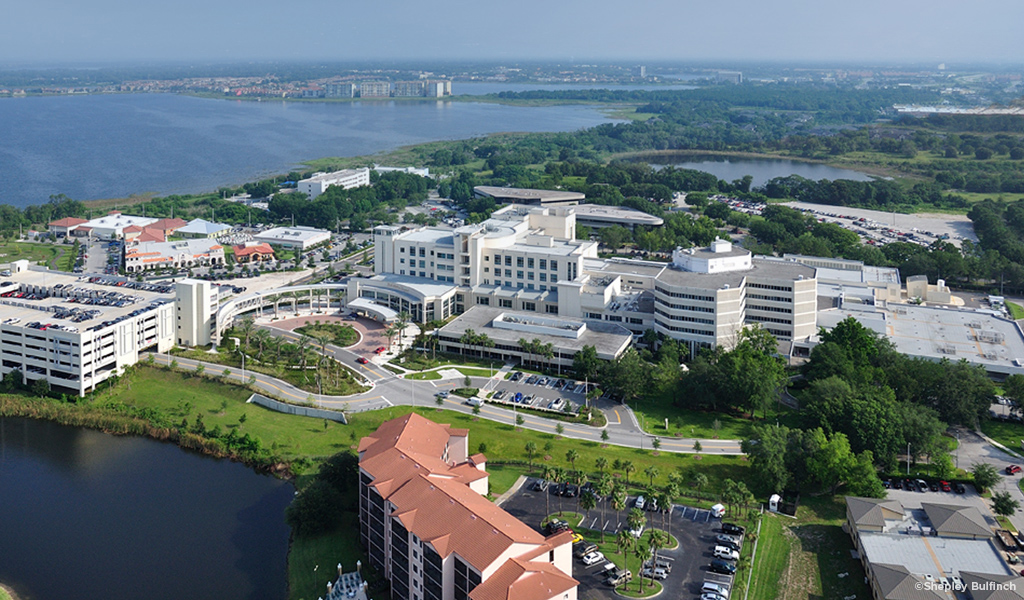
(889,31)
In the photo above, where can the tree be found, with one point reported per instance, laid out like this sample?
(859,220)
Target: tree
(548,474)
(603,489)
(476,410)
(657,540)
(985,476)
(604,435)
(531,451)
(586,364)
(1003,504)
(41,387)
(627,468)
(766,451)
(700,481)
(200,369)
(656,443)
(571,455)
(697,447)
(601,463)
(615,236)
(587,502)
(439,400)
(651,472)
(559,429)
(560,477)
(833,461)
(316,509)
(520,420)
(625,542)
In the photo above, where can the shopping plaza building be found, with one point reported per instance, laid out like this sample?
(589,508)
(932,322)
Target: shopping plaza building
(430,531)
(526,259)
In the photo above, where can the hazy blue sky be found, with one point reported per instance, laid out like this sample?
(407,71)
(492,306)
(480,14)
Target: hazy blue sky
(676,30)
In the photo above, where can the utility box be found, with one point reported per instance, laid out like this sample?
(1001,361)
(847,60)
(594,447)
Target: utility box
(773,503)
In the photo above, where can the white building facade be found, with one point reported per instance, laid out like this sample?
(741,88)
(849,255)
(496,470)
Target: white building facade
(347,179)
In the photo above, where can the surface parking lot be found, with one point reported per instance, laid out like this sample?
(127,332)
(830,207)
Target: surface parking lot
(694,528)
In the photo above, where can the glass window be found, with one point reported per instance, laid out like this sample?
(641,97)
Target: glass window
(529,263)
(554,265)
(543,263)
(519,274)
(519,261)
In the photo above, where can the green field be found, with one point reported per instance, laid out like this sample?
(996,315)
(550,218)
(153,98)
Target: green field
(1006,433)
(36,253)
(340,335)
(700,424)
(1016,310)
(774,544)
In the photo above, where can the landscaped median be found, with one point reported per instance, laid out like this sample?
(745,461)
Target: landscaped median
(624,558)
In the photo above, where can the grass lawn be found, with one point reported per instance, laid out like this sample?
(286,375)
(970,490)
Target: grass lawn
(4,595)
(428,376)
(34,253)
(336,333)
(415,361)
(313,560)
(1016,310)
(699,424)
(819,552)
(773,550)
(1006,433)
(337,379)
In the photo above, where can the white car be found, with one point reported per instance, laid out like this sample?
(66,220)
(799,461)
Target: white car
(640,502)
(726,553)
(593,558)
(654,574)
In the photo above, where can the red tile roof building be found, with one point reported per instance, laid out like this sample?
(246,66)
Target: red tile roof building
(429,529)
(253,252)
(65,226)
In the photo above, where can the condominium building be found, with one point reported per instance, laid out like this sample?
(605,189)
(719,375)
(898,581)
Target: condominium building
(430,531)
(195,312)
(339,90)
(347,179)
(374,89)
(526,258)
(75,332)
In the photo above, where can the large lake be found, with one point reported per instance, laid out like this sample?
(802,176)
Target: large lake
(90,516)
(111,146)
(762,169)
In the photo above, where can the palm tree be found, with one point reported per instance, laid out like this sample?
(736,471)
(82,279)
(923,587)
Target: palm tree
(578,479)
(262,337)
(603,488)
(636,519)
(468,339)
(671,493)
(571,455)
(658,540)
(484,341)
(548,474)
(652,472)
(531,451)
(642,552)
(627,468)
(246,327)
(527,348)
(700,481)
(559,479)
(601,463)
(625,542)
(403,320)
(587,502)
(618,499)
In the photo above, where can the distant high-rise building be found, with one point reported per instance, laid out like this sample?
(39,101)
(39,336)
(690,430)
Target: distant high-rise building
(339,90)
(729,76)
(374,89)
(640,71)
(410,88)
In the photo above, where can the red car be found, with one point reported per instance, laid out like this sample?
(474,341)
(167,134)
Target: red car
(1012,469)
(381,350)
(945,486)
(362,360)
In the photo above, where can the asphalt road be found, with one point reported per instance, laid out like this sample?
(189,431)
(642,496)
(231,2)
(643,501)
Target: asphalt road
(974,449)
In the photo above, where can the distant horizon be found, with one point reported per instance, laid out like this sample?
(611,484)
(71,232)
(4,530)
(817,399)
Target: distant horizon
(869,31)
(427,63)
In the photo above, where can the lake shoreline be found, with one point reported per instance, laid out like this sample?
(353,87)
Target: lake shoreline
(9,591)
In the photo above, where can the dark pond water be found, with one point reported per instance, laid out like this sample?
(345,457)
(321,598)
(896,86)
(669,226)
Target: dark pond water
(86,515)
(763,169)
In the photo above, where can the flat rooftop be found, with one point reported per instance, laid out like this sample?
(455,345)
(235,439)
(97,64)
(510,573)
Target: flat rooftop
(430,235)
(780,270)
(91,299)
(622,266)
(607,338)
(527,195)
(290,233)
(935,556)
(615,214)
(937,332)
(422,285)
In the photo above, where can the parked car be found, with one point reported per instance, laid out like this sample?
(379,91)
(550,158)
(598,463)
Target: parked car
(618,577)
(532,379)
(945,486)
(381,350)
(959,488)
(661,564)
(556,526)
(726,553)
(723,567)
(730,544)
(517,376)
(640,502)
(654,573)
(1012,469)
(592,558)
(712,596)
(571,491)
(540,485)
(733,529)
(581,550)
(922,485)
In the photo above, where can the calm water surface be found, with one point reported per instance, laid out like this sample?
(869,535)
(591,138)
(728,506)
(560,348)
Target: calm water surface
(763,169)
(110,146)
(86,515)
